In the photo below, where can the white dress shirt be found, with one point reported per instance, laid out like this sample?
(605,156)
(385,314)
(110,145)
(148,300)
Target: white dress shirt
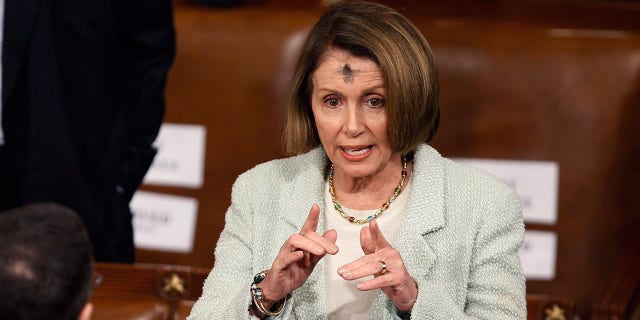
(344,300)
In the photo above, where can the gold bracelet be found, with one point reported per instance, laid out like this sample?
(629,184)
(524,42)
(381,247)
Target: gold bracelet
(256,295)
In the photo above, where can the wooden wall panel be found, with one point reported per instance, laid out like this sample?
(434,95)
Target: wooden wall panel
(555,95)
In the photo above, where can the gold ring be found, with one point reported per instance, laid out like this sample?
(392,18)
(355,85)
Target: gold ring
(383,268)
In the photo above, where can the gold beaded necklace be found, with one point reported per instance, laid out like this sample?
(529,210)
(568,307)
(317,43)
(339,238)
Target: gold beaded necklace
(384,207)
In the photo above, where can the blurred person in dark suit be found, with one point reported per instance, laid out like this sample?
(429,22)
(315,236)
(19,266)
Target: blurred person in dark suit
(46,264)
(82,101)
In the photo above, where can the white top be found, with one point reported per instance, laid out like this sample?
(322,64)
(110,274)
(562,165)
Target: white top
(1,52)
(344,300)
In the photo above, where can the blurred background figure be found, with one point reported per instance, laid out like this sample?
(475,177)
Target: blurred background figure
(46,264)
(82,101)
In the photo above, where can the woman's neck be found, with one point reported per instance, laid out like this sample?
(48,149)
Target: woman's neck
(370,192)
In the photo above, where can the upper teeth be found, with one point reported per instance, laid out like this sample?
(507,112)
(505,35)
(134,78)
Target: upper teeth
(356,151)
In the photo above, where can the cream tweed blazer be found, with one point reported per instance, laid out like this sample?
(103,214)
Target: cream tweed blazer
(459,240)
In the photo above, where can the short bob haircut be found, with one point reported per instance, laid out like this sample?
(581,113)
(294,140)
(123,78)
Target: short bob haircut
(376,32)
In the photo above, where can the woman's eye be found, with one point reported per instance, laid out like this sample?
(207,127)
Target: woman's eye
(333,102)
(376,102)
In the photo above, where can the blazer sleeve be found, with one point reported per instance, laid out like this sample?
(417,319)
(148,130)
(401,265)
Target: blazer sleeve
(225,293)
(146,49)
(496,285)
(254,231)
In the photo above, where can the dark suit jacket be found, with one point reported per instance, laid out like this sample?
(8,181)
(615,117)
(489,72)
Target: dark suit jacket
(83,85)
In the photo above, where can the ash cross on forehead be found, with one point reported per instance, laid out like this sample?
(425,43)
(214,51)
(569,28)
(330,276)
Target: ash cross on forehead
(347,72)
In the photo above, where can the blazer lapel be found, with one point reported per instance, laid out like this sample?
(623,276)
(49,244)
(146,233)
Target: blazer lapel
(425,212)
(19,17)
(305,190)
(424,215)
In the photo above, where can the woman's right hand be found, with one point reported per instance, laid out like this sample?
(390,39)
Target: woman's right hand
(297,258)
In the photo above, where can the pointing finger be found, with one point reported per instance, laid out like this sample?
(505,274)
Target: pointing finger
(311,224)
(326,241)
(376,236)
(367,245)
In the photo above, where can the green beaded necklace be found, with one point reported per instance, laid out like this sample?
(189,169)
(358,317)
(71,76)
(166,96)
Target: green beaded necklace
(384,207)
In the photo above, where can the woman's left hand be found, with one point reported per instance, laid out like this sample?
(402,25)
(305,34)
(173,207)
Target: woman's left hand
(385,263)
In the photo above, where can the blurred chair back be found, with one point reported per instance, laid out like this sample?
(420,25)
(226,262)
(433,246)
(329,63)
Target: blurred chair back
(168,292)
(146,291)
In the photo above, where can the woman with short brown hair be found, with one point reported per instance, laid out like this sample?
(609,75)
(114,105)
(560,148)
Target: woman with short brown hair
(395,231)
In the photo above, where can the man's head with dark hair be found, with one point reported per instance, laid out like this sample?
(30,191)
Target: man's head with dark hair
(46,264)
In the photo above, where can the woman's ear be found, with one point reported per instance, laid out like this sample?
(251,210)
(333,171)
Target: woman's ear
(86,312)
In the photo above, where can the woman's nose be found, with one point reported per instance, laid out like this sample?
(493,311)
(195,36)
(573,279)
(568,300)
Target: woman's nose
(353,122)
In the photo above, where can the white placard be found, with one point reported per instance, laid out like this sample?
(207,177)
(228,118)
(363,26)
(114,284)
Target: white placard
(180,158)
(163,222)
(536,182)
(538,255)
